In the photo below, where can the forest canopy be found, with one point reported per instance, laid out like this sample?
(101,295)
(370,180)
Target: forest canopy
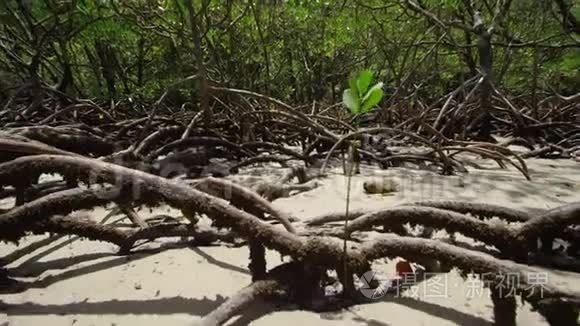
(297,51)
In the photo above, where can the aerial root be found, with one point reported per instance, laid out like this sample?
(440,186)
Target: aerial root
(481,210)
(450,215)
(156,137)
(132,215)
(551,221)
(282,188)
(336,217)
(494,155)
(504,306)
(322,250)
(82,226)
(15,222)
(20,146)
(242,299)
(273,191)
(545,150)
(257,264)
(236,193)
(433,217)
(71,140)
(295,282)
(257,257)
(550,297)
(243,216)
(300,173)
(126,238)
(549,225)
(282,160)
(447,165)
(276,147)
(470,261)
(195,141)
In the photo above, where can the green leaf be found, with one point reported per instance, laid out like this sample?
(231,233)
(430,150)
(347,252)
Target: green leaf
(352,83)
(363,81)
(373,97)
(351,101)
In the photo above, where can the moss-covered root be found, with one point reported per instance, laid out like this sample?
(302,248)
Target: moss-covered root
(14,222)
(336,217)
(433,217)
(298,172)
(126,238)
(480,210)
(84,227)
(549,224)
(471,261)
(155,138)
(273,191)
(194,141)
(159,189)
(238,194)
(21,146)
(239,301)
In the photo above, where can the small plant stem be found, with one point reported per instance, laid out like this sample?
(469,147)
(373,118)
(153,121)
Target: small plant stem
(346,279)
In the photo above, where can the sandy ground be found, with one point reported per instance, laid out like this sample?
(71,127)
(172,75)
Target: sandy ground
(79,282)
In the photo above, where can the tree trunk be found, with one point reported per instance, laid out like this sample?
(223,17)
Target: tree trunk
(198,57)
(140,61)
(107,67)
(483,121)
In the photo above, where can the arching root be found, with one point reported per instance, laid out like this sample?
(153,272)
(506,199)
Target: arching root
(240,300)
(478,209)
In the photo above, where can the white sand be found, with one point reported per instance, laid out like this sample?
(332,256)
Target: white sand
(84,283)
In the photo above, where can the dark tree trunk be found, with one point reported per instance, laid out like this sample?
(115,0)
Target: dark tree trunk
(484,48)
(107,68)
(94,68)
(198,54)
(504,307)
(140,62)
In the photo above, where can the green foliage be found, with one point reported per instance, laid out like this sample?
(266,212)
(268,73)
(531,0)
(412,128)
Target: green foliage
(570,63)
(302,52)
(447,4)
(359,98)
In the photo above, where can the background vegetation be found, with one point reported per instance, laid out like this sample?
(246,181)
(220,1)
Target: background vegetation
(296,50)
